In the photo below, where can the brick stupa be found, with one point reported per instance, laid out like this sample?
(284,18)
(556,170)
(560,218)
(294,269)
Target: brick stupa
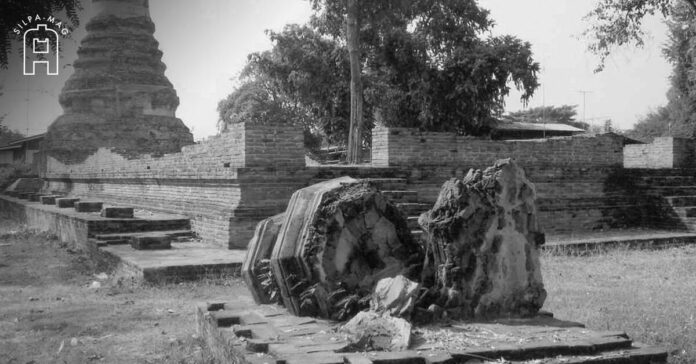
(118,97)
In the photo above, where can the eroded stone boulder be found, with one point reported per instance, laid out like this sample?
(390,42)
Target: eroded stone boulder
(256,269)
(482,246)
(338,239)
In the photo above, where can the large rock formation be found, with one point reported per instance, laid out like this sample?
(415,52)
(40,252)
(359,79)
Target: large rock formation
(338,238)
(482,241)
(341,247)
(118,97)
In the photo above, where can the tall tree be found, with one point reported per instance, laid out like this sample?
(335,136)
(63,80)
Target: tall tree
(616,23)
(13,12)
(422,63)
(356,90)
(678,117)
(7,135)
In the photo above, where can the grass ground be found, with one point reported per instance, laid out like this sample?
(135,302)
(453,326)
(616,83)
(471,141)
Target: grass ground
(52,312)
(650,294)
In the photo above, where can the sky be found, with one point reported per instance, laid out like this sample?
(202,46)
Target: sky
(206,43)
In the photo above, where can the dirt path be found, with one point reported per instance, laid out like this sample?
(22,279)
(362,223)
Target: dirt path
(52,311)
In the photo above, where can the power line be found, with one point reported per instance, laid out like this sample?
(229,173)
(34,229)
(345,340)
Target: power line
(584,104)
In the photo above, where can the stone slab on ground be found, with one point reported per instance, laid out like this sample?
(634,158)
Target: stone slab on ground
(283,338)
(610,239)
(48,199)
(184,261)
(117,212)
(66,202)
(151,242)
(88,206)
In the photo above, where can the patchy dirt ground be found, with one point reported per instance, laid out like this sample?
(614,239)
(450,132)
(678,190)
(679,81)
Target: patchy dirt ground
(56,307)
(52,311)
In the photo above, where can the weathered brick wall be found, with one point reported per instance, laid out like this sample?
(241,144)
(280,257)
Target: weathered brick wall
(405,146)
(225,184)
(245,145)
(578,179)
(663,152)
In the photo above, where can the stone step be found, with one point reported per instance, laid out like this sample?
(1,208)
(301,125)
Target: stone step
(401,196)
(151,241)
(126,238)
(35,197)
(117,212)
(413,208)
(49,199)
(172,233)
(681,201)
(89,206)
(138,225)
(66,202)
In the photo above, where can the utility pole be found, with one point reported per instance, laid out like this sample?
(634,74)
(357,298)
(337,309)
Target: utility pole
(584,104)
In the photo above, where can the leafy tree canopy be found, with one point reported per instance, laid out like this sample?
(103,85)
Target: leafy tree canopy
(615,23)
(14,11)
(7,135)
(564,114)
(678,117)
(426,64)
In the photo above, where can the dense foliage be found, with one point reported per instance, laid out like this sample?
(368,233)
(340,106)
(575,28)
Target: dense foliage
(425,64)
(678,117)
(618,22)
(615,23)
(13,12)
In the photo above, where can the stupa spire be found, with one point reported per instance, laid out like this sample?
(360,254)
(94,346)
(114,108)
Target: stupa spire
(118,97)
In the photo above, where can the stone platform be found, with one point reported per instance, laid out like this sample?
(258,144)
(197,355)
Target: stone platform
(107,240)
(184,261)
(237,332)
(588,242)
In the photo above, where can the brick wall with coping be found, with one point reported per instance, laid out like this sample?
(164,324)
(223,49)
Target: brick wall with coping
(407,146)
(228,183)
(244,145)
(225,184)
(662,153)
(578,179)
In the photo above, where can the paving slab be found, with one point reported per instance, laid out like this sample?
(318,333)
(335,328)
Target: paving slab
(279,337)
(184,261)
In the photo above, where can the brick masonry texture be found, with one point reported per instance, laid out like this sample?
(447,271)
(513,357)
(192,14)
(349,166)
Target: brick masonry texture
(664,152)
(230,182)
(405,146)
(580,181)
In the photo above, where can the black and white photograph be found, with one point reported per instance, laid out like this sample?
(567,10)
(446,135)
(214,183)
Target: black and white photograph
(348,181)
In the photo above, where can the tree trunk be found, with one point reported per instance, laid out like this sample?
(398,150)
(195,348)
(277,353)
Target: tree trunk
(356,100)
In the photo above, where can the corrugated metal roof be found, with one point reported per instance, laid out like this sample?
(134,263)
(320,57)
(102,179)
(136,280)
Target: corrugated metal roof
(10,147)
(533,126)
(27,139)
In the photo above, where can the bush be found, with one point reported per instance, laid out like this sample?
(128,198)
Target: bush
(9,173)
